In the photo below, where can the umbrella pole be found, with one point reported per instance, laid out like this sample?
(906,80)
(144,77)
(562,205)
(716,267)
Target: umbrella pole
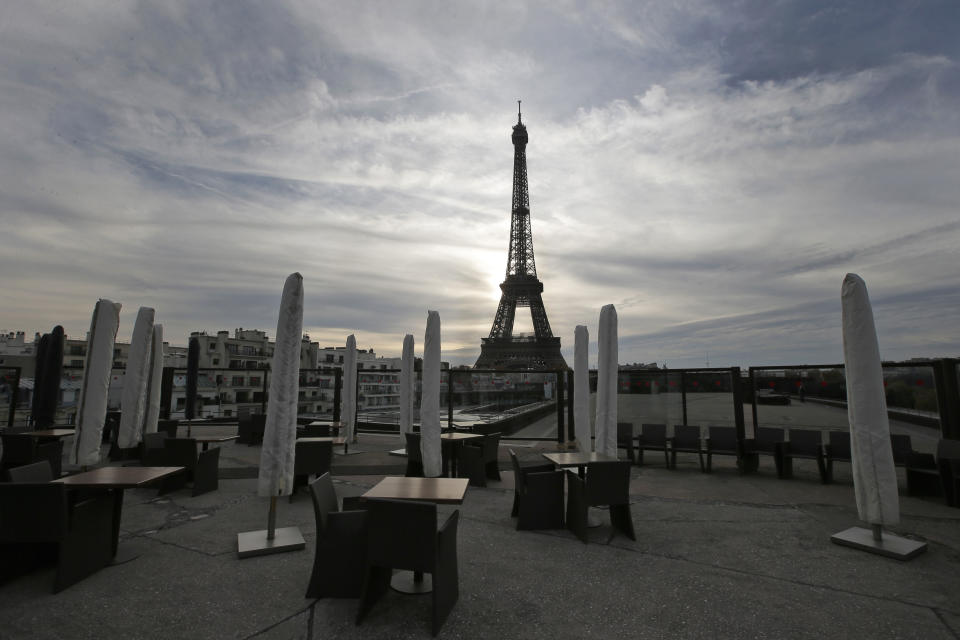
(272,519)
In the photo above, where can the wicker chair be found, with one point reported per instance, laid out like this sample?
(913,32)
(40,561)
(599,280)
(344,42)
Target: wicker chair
(537,496)
(341,549)
(606,483)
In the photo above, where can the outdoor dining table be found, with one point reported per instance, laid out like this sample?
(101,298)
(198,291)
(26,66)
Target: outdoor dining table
(451,443)
(438,490)
(578,459)
(331,439)
(205,441)
(114,480)
(49,434)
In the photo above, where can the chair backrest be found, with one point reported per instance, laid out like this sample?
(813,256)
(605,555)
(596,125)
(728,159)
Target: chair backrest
(53,453)
(491,447)
(316,431)
(902,448)
(948,449)
(723,437)
(324,500)
(34,472)
(402,534)
(168,428)
(805,441)
(413,447)
(840,445)
(18,449)
(686,436)
(767,437)
(517,474)
(154,440)
(608,482)
(180,452)
(33,512)
(653,433)
(624,432)
(312,457)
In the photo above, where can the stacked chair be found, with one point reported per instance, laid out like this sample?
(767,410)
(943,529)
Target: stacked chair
(686,439)
(654,438)
(310,459)
(803,443)
(201,470)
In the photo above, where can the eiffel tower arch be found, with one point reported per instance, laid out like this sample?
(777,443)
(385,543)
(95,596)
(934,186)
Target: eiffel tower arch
(521,287)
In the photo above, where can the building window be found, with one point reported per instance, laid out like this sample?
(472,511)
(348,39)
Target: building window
(213,346)
(76,363)
(254,381)
(237,381)
(329,357)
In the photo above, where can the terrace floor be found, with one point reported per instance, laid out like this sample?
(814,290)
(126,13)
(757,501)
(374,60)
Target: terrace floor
(717,556)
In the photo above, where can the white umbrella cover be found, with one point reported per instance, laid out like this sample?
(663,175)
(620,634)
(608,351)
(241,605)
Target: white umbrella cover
(280,430)
(156,377)
(874,475)
(406,386)
(135,398)
(581,388)
(92,406)
(606,422)
(430,399)
(348,411)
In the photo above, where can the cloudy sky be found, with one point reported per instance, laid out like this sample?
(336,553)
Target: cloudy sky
(711,168)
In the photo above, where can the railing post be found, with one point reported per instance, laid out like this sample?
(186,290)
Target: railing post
(14,396)
(337,380)
(683,395)
(449,398)
(753,400)
(560,434)
(948,396)
(571,428)
(166,392)
(737,386)
(263,398)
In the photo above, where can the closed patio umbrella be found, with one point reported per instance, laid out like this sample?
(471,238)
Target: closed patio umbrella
(349,407)
(874,474)
(92,406)
(46,378)
(135,398)
(606,422)
(581,388)
(406,386)
(280,430)
(154,382)
(430,399)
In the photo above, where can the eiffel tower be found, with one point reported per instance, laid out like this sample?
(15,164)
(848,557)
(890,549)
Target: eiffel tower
(521,288)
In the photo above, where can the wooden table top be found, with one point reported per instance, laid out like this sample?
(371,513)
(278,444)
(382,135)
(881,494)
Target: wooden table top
(333,439)
(439,490)
(577,458)
(214,438)
(118,477)
(49,433)
(455,435)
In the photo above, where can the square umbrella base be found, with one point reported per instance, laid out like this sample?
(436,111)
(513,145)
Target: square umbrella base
(255,543)
(889,545)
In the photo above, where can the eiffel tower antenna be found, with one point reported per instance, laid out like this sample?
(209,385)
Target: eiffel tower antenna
(520,287)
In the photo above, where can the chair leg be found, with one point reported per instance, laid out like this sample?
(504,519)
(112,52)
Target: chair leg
(699,455)
(620,519)
(375,584)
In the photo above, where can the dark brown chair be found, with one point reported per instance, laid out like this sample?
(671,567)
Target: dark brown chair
(625,439)
(653,437)
(314,431)
(537,495)
(606,484)
(201,470)
(18,450)
(33,472)
(491,453)
(837,449)
(766,441)
(168,428)
(402,534)
(310,459)
(152,450)
(686,439)
(722,441)
(803,443)
(414,457)
(902,449)
(341,550)
(478,462)
(52,452)
(948,465)
(39,523)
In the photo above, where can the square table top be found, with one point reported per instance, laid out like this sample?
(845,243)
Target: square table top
(333,439)
(49,433)
(118,477)
(577,458)
(456,435)
(439,490)
(214,438)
